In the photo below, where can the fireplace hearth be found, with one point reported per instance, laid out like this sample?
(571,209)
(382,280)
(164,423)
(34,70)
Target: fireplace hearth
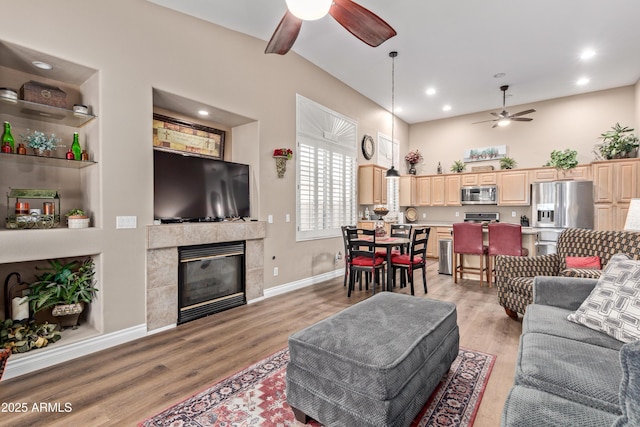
(211,278)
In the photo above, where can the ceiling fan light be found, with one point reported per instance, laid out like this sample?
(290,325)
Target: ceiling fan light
(309,10)
(504,122)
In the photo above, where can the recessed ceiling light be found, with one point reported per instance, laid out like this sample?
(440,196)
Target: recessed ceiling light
(431,91)
(203,112)
(582,81)
(499,75)
(398,109)
(588,53)
(42,65)
(446,108)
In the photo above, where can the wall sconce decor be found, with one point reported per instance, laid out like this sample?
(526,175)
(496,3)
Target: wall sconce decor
(282,155)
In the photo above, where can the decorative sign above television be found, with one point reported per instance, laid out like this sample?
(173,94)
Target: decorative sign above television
(190,137)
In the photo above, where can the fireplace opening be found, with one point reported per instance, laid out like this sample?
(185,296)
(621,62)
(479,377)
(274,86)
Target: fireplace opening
(211,279)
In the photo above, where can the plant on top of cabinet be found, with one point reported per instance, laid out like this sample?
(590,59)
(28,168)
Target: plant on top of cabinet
(508,163)
(458,166)
(566,159)
(618,143)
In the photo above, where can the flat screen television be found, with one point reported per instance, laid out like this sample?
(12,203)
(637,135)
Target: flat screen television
(193,188)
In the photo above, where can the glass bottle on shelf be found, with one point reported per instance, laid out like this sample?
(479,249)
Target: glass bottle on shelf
(70,155)
(75,147)
(439,168)
(7,139)
(22,149)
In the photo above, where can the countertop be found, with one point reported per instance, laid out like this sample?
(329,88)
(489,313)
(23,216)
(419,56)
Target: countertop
(525,230)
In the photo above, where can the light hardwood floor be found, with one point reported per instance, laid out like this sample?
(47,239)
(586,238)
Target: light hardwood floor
(126,384)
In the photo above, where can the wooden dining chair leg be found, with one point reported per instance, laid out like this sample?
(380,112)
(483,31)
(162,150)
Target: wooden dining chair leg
(424,277)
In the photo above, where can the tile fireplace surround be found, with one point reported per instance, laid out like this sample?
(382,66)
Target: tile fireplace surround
(162,262)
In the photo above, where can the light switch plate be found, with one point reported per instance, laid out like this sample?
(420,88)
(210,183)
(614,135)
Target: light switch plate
(126,221)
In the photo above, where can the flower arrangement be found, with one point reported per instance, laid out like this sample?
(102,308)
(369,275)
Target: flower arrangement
(413,157)
(39,141)
(283,152)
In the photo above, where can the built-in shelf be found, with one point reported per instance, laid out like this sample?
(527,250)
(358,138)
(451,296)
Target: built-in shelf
(44,160)
(44,113)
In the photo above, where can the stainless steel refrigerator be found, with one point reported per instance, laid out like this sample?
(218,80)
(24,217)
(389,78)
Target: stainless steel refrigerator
(557,205)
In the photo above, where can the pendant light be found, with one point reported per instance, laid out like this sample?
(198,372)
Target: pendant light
(392,173)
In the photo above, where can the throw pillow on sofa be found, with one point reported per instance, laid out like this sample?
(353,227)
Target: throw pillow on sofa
(583,262)
(613,307)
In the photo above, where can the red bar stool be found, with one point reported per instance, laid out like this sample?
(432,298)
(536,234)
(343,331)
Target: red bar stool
(504,239)
(467,240)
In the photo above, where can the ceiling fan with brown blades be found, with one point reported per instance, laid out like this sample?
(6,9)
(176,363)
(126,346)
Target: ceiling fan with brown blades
(503,118)
(359,21)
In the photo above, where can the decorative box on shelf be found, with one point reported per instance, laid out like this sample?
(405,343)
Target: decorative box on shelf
(41,93)
(29,208)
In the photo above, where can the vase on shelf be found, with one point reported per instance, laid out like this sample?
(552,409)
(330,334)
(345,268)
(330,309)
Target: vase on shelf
(42,153)
(412,168)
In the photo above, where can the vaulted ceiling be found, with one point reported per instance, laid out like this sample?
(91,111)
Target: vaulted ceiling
(465,50)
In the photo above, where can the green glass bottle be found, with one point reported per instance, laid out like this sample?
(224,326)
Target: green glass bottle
(7,138)
(75,147)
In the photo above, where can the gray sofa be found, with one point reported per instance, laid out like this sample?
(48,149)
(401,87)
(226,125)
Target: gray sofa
(568,374)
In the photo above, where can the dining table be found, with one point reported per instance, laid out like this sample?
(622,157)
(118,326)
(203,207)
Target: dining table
(388,243)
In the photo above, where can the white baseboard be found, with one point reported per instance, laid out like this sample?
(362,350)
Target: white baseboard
(52,356)
(299,284)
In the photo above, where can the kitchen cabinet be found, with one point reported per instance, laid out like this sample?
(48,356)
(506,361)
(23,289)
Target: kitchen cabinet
(452,190)
(543,175)
(423,189)
(469,179)
(435,235)
(408,191)
(513,188)
(438,190)
(615,184)
(487,178)
(372,185)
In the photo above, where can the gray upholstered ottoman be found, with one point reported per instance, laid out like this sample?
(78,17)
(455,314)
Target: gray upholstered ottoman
(374,364)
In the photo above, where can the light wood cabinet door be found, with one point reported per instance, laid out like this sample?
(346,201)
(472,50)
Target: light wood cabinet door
(513,188)
(487,178)
(626,182)
(407,190)
(372,185)
(602,182)
(437,190)
(470,179)
(423,186)
(603,217)
(452,190)
(432,244)
(580,172)
(620,216)
(543,175)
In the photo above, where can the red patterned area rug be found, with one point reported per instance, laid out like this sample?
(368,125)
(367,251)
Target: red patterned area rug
(256,397)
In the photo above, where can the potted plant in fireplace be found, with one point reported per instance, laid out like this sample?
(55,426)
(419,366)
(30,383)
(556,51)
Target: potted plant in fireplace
(64,288)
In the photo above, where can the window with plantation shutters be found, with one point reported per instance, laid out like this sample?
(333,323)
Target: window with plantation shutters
(326,171)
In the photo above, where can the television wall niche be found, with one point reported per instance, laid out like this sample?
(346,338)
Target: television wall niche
(188,187)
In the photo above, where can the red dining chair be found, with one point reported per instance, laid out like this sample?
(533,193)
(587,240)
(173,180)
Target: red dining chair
(415,259)
(363,259)
(467,240)
(504,239)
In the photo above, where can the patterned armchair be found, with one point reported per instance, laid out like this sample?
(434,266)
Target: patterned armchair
(514,274)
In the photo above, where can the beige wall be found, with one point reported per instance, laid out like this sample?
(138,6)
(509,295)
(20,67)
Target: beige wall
(637,123)
(138,46)
(573,122)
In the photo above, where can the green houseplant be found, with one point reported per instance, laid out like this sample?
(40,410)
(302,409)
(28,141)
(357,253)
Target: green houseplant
(458,166)
(64,287)
(508,163)
(619,142)
(77,218)
(564,160)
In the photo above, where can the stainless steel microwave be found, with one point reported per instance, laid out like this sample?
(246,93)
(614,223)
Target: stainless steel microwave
(479,195)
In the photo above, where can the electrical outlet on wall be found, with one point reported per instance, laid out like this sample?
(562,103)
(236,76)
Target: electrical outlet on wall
(275,271)
(513,214)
